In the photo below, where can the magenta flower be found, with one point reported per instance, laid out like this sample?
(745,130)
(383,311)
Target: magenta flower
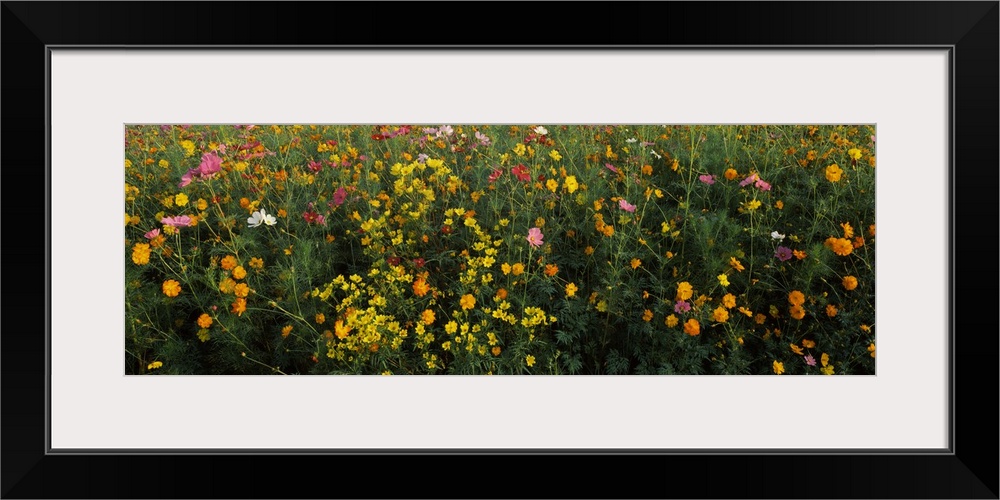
(682,307)
(179,221)
(626,206)
(611,167)
(535,237)
(761,185)
(152,234)
(315,166)
(521,172)
(707,179)
(810,360)
(783,253)
(339,196)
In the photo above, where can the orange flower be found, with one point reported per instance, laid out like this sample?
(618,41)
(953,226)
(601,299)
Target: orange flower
(729,300)
(797,312)
(341,330)
(467,301)
(171,288)
(808,344)
(286,331)
(796,298)
(647,315)
(239,272)
(239,306)
(848,230)
(502,293)
(204,320)
(241,290)
(840,246)
(730,174)
(228,262)
(831,310)
(720,314)
(636,263)
(692,328)
(850,282)
(420,287)
(551,269)
(799,254)
(684,291)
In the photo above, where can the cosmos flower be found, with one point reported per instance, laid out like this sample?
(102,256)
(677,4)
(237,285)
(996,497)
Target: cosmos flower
(707,179)
(783,253)
(178,221)
(626,206)
(257,218)
(535,237)
(540,130)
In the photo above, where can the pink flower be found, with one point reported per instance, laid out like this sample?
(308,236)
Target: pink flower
(611,167)
(152,234)
(783,253)
(535,237)
(339,196)
(810,360)
(626,206)
(521,172)
(749,180)
(210,164)
(763,186)
(707,179)
(682,307)
(315,166)
(179,221)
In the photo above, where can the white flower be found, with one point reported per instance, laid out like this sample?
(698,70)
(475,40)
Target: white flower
(654,153)
(631,140)
(778,236)
(445,131)
(257,217)
(540,130)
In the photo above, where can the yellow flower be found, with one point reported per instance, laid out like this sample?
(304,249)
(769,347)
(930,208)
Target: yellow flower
(286,331)
(848,230)
(871,349)
(188,147)
(779,204)
(467,301)
(647,315)
(241,289)
(552,185)
(796,349)
(824,359)
(530,360)
(320,318)
(204,320)
(451,327)
(554,154)
(571,290)
(181,199)
(691,327)
(201,204)
(171,288)
(833,173)
(636,263)
(340,330)
(570,184)
(154,365)
(671,321)
(723,280)
(778,367)
(517,269)
(589,250)
(684,291)
(826,370)
(752,205)
(239,272)
(505,267)
(850,282)
(854,153)
(257,263)
(427,317)
(729,300)
(140,253)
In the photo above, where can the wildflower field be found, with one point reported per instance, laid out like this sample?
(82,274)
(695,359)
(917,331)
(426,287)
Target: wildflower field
(500,249)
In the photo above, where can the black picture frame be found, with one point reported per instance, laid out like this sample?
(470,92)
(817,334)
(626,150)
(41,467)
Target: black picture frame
(968,470)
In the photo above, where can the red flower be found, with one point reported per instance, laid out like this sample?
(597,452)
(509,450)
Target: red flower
(521,172)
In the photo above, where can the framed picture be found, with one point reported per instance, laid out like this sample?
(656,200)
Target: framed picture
(927,88)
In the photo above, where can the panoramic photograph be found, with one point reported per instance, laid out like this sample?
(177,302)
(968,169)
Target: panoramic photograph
(499,249)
